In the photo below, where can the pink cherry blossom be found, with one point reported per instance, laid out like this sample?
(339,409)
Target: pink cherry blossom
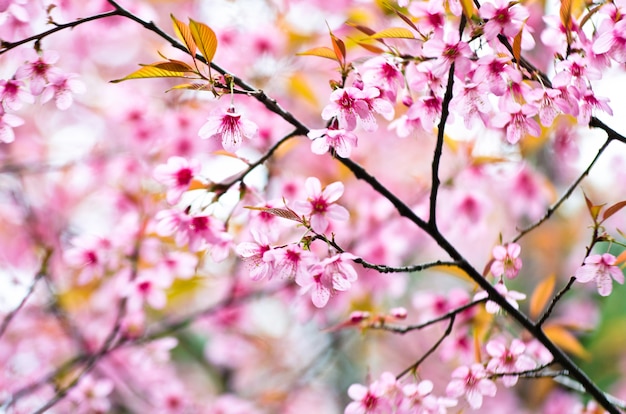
(612,40)
(517,121)
(92,255)
(448,51)
(177,174)
(508,360)
(340,140)
(8,121)
(196,231)
(326,278)
(230,127)
(320,206)
(418,398)
(92,395)
(502,18)
(602,269)
(254,256)
(511,296)
(382,72)
(13,94)
(37,69)
(351,104)
(60,87)
(506,260)
(291,262)
(148,287)
(374,399)
(472,383)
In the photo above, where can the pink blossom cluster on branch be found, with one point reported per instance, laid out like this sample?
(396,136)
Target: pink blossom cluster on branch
(311,206)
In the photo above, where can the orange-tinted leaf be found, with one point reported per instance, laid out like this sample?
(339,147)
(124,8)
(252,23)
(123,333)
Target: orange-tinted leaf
(371,48)
(363,29)
(339,47)
(285,213)
(184,34)
(621,258)
(157,70)
(469,10)
(197,185)
(393,33)
(454,271)
(613,209)
(593,209)
(565,340)
(517,45)
(322,51)
(541,296)
(407,20)
(565,13)
(205,39)
(300,86)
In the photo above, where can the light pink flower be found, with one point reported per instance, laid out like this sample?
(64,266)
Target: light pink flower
(7,123)
(602,269)
(341,140)
(320,204)
(472,383)
(502,18)
(91,395)
(177,174)
(254,256)
(375,399)
(351,104)
(91,254)
(511,296)
(612,40)
(506,260)
(13,93)
(148,287)
(316,280)
(418,399)
(291,262)
(61,86)
(381,72)
(508,360)
(517,121)
(196,231)
(448,50)
(230,126)
(36,69)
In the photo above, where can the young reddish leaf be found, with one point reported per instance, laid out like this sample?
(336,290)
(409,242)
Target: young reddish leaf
(184,34)
(393,33)
(613,209)
(517,45)
(541,296)
(339,47)
(322,51)
(363,29)
(158,70)
(407,20)
(565,13)
(594,211)
(285,213)
(205,39)
(566,340)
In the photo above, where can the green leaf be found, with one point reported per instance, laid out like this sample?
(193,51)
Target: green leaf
(393,33)
(322,51)
(205,39)
(158,70)
(184,34)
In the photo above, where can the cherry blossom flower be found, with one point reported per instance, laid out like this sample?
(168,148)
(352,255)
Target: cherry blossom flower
(508,360)
(318,282)
(418,399)
(471,101)
(340,140)
(382,72)
(341,271)
(506,260)
(37,69)
(430,16)
(511,296)
(517,121)
(320,204)
(550,103)
(7,123)
(351,104)
(13,94)
(426,109)
(602,269)
(196,231)
(91,395)
(612,40)
(472,383)
(502,18)
(148,287)
(177,174)
(91,254)
(254,256)
(61,86)
(589,102)
(448,51)
(230,126)
(373,399)
(291,262)
(181,265)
